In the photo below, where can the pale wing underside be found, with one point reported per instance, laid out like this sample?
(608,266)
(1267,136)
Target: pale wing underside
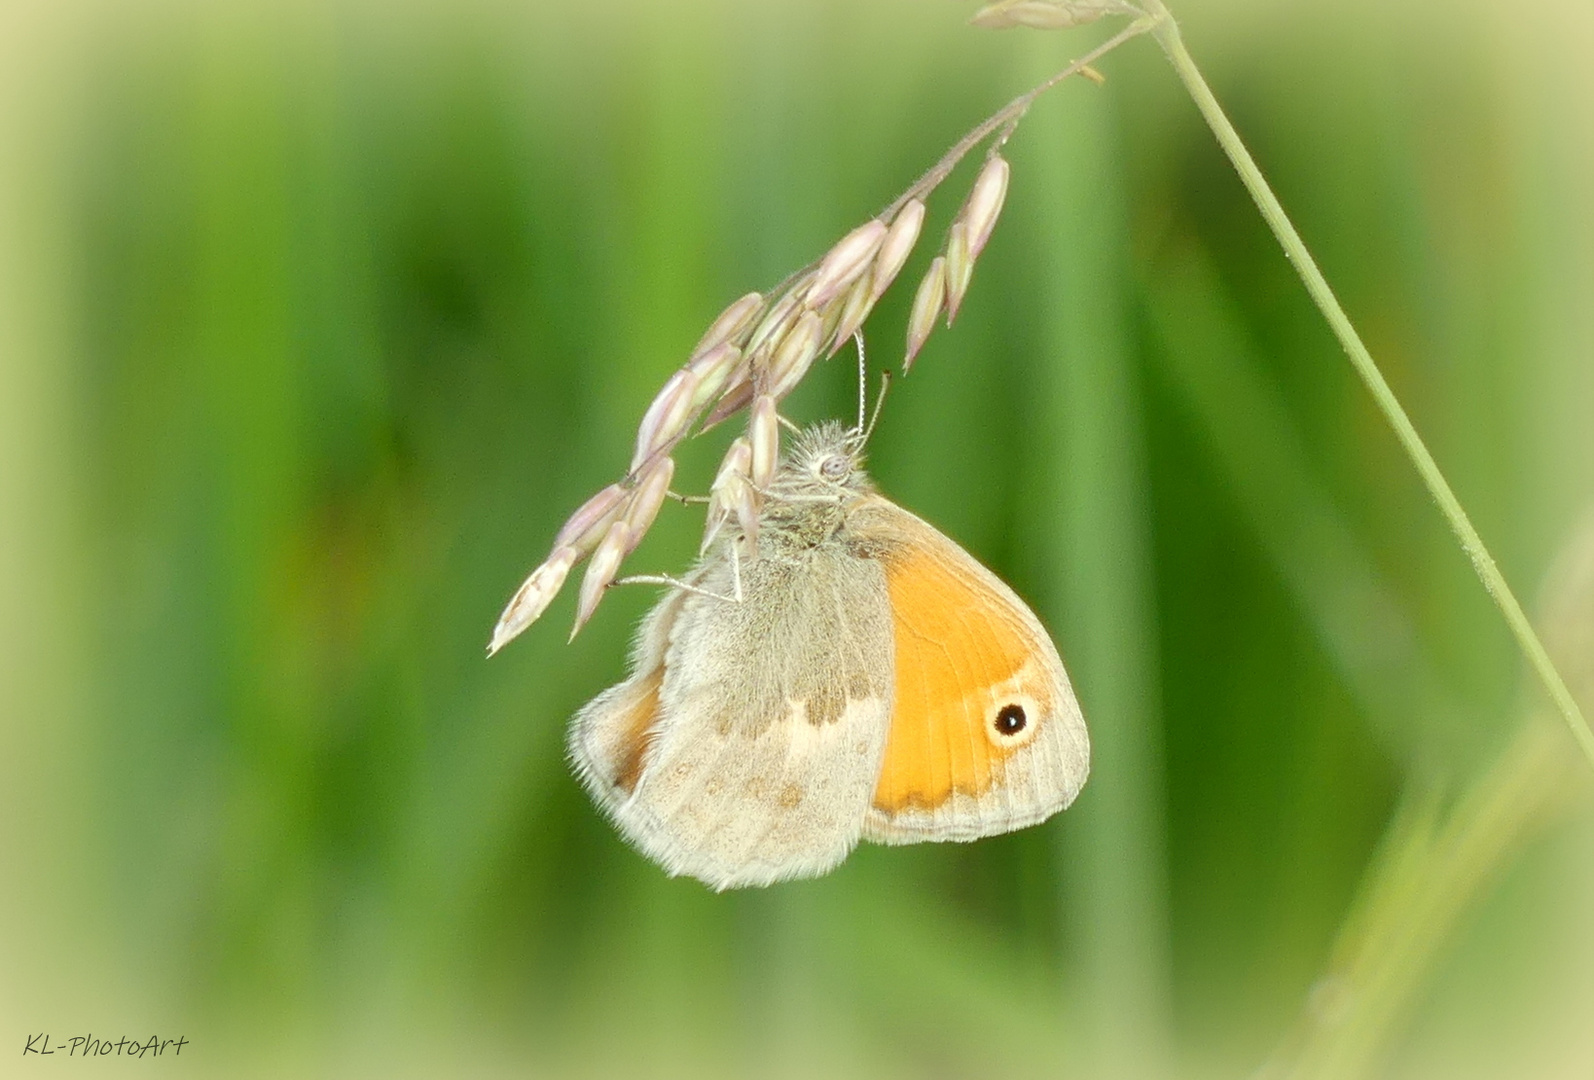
(966,647)
(746,746)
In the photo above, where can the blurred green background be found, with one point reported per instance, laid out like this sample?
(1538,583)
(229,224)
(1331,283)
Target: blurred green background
(316,320)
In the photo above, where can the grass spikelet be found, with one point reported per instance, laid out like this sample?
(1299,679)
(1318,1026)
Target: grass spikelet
(714,370)
(896,247)
(736,464)
(852,312)
(667,418)
(533,597)
(731,323)
(795,354)
(775,323)
(587,525)
(984,204)
(733,401)
(927,305)
(653,484)
(959,269)
(763,434)
(845,262)
(601,572)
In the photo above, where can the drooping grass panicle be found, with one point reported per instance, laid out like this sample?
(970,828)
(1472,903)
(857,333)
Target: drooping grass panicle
(759,349)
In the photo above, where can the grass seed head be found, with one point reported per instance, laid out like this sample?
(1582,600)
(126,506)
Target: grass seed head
(587,525)
(533,597)
(795,354)
(601,572)
(842,265)
(896,247)
(760,347)
(984,204)
(653,484)
(667,418)
(959,268)
(854,310)
(732,323)
(927,303)
(713,369)
(763,432)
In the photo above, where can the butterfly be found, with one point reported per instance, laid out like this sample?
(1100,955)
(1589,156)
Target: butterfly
(853,675)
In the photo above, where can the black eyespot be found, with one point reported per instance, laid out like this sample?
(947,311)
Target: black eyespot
(1011,720)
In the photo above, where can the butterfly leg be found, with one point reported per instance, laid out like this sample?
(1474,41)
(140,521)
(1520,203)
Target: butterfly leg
(736,571)
(765,493)
(677,583)
(828,500)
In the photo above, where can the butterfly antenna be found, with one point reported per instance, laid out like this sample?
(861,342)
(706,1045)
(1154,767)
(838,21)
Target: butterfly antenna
(863,381)
(879,402)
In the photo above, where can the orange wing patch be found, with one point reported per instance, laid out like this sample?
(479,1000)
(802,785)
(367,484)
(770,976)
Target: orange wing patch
(971,687)
(636,719)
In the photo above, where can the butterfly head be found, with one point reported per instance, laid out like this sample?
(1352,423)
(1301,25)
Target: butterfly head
(826,462)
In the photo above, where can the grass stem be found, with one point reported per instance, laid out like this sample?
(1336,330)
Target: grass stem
(1009,115)
(1166,31)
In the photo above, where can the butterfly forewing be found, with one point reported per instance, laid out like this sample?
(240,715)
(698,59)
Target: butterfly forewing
(986,735)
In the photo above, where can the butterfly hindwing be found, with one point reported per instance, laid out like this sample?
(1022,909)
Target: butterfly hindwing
(745,746)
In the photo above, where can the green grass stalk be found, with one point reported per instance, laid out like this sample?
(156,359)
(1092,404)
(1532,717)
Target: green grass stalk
(1166,32)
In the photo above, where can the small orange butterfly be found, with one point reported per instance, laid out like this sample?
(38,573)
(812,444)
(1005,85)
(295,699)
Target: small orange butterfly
(856,675)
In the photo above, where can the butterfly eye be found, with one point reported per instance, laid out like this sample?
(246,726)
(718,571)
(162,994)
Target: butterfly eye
(834,467)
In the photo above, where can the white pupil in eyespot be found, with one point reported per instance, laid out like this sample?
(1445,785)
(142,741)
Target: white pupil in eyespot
(833,467)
